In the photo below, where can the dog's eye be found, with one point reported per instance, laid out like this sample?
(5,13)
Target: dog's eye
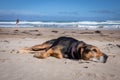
(94,50)
(87,50)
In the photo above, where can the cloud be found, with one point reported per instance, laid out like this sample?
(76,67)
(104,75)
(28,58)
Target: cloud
(103,11)
(18,12)
(69,13)
(107,14)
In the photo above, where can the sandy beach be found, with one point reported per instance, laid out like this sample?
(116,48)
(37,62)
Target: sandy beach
(17,66)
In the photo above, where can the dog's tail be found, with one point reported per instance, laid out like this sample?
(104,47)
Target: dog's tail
(26,50)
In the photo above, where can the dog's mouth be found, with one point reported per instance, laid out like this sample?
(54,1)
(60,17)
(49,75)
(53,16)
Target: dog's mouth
(101,59)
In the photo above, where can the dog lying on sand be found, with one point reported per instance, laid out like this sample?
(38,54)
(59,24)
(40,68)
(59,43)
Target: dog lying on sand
(67,47)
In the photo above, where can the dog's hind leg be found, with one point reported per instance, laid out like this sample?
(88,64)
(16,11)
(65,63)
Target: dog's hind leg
(43,46)
(40,47)
(36,48)
(26,50)
(54,51)
(44,54)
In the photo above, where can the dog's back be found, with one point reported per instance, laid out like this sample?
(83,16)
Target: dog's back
(64,41)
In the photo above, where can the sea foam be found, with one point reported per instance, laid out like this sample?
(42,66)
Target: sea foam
(73,25)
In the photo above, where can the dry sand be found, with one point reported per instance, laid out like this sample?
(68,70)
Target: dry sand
(18,66)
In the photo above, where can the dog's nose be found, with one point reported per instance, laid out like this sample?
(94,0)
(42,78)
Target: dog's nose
(103,58)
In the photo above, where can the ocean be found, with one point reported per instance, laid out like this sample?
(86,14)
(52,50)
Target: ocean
(101,25)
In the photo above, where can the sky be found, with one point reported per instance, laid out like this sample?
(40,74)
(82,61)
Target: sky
(60,10)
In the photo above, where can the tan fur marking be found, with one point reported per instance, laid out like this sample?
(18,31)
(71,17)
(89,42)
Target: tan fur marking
(26,50)
(40,46)
(44,54)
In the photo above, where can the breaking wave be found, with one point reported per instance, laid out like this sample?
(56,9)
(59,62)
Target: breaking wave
(74,25)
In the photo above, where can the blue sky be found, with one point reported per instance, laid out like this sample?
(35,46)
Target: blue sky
(60,10)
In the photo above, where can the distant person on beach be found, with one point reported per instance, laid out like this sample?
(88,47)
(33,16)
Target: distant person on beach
(17,21)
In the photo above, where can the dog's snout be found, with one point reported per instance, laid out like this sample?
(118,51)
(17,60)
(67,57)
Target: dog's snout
(103,58)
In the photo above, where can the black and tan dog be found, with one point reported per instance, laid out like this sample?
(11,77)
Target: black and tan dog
(67,47)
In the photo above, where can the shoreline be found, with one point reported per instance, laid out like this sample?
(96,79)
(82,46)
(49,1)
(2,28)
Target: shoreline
(78,28)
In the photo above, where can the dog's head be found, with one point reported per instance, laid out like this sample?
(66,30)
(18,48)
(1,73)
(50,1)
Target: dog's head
(90,52)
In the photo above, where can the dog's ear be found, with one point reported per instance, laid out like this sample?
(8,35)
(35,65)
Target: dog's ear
(80,49)
(87,48)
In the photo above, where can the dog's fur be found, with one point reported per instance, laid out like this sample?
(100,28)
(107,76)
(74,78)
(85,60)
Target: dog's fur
(67,47)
